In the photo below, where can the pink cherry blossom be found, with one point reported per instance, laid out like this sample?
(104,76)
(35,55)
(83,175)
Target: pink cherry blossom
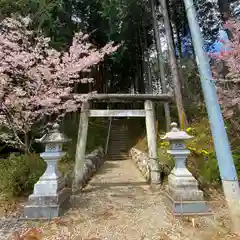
(37,80)
(229,89)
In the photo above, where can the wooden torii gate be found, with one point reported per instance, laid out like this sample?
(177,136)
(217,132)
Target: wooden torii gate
(147,112)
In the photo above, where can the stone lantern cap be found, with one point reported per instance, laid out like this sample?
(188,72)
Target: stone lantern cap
(54,136)
(176,134)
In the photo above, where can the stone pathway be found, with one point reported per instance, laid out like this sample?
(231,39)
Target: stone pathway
(118,204)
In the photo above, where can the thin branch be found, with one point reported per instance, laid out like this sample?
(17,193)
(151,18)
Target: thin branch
(11,125)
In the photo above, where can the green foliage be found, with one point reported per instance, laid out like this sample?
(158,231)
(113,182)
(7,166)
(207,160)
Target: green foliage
(192,91)
(97,133)
(209,171)
(119,21)
(52,17)
(166,161)
(203,162)
(20,173)
(236,158)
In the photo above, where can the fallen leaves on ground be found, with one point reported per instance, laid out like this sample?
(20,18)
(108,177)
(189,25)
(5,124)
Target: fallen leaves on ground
(30,234)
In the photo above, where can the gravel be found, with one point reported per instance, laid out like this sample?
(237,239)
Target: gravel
(118,204)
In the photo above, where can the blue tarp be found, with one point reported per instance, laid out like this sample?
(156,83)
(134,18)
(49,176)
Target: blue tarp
(219,45)
(209,47)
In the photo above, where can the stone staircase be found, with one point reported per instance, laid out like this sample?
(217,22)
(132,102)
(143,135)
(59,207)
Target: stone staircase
(118,141)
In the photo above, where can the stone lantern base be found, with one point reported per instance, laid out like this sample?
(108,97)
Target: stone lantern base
(45,204)
(184,196)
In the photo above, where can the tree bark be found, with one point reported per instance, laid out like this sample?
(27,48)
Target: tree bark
(26,142)
(161,65)
(141,78)
(148,76)
(173,65)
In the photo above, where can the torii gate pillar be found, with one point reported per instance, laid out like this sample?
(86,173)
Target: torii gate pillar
(81,145)
(152,141)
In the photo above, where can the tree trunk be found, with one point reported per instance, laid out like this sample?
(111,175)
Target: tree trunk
(141,65)
(26,142)
(177,47)
(173,66)
(148,87)
(161,64)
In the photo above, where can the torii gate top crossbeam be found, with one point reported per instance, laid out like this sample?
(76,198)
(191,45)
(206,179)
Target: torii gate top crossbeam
(114,97)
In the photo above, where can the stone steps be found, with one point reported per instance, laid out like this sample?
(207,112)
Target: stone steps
(112,154)
(118,143)
(117,147)
(120,153)
(116,158)
(119,140)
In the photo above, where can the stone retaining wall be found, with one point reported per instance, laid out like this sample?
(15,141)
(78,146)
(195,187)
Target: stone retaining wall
(141,160)
(93,162)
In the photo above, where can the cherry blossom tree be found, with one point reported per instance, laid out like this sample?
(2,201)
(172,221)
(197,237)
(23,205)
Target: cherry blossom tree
(36,80)
(229,88)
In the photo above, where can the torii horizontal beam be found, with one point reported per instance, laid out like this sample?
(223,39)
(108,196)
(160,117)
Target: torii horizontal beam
(116,113)
(132,97)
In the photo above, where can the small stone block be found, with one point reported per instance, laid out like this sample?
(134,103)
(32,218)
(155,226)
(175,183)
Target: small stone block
(47,207)
(185,194)
(182,182)
(185,208)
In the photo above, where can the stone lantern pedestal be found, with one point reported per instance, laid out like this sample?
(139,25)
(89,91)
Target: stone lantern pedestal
(182,190)
(50,197)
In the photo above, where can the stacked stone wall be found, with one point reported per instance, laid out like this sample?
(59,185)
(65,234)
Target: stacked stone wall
(141,160)
(93,162)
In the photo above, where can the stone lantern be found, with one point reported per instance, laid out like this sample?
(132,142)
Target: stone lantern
(50,197)
(182,189)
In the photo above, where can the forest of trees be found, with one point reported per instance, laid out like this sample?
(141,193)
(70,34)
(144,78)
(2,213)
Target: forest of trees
(136,28)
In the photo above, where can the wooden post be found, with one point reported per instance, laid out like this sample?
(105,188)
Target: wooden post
(152,143)
(81,144)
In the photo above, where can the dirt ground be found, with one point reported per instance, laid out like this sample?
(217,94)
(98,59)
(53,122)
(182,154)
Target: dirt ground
(118,204)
